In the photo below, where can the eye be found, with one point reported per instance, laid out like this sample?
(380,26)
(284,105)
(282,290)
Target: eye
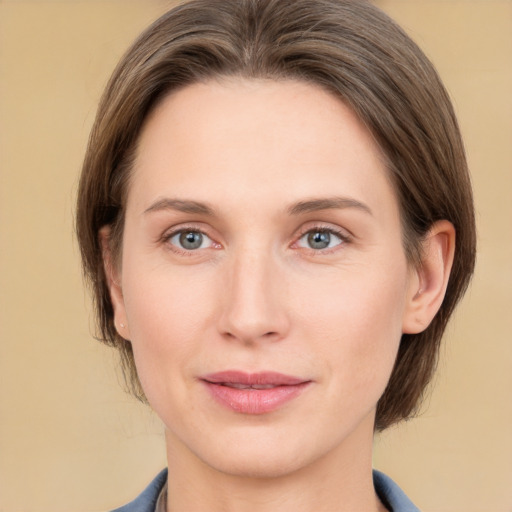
(190,240)
(319,239)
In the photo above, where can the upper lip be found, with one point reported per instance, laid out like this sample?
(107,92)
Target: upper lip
(265,378)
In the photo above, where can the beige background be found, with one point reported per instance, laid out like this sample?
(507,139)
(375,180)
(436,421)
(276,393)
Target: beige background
(70,439)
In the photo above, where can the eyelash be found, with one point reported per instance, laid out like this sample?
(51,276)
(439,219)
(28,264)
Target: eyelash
(343,237)
(167,237)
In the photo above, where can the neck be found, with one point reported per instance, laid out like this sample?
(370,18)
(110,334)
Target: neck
(339,481)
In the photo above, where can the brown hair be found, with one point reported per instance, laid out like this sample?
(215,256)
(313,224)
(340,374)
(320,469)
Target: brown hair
(350,48)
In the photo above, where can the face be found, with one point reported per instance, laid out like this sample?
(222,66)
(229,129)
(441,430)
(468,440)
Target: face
(263,282)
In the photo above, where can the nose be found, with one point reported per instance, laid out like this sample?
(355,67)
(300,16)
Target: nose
(254,299)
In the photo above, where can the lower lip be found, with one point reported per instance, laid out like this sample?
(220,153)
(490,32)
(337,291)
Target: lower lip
(255,401)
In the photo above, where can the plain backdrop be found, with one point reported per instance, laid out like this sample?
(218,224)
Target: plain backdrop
(70,438)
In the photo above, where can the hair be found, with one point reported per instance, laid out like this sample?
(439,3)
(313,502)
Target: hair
(348,47)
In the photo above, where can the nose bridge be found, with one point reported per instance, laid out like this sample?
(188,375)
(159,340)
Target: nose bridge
(253,305)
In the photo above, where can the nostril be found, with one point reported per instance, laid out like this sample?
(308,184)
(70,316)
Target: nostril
(250,339)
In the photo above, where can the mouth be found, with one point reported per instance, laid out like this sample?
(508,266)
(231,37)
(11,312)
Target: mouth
(254,393)
(237,385)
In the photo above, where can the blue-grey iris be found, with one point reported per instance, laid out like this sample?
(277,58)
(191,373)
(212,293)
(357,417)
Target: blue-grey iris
(191,240)
(319,239)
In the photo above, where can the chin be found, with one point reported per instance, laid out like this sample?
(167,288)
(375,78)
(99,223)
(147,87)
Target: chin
(259,464)
(262,453)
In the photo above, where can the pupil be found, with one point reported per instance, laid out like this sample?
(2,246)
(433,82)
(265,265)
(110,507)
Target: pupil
(319,240)
(191,240)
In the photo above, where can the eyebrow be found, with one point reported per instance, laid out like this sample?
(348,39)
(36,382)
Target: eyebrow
(329,203)
(301,207)
(181,205)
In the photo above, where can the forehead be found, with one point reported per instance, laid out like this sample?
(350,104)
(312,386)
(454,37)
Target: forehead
(266,109)
(225,138)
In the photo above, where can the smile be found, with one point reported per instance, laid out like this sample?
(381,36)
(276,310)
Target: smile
(253,393)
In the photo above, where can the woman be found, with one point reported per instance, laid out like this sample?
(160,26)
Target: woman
(276,218)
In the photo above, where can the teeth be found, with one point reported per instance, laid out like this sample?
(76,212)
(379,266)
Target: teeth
(236,385)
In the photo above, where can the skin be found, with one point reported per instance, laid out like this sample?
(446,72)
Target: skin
(265,164)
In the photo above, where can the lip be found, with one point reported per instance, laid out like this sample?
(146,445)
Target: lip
(253,393)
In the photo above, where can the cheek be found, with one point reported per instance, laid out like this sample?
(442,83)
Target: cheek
(356,320)
(166,310)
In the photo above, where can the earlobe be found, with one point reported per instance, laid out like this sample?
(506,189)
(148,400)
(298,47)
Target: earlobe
(112,275)
(430,279)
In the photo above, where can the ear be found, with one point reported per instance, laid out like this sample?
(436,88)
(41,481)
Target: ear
(429,279)
(113,276)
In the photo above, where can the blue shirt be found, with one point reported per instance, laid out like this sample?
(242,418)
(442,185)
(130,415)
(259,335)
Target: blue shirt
(389,493)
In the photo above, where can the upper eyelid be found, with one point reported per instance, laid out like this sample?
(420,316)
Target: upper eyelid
(170,232)
(343,233)
(340,236)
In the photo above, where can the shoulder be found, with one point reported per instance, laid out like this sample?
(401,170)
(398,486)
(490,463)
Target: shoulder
(146,501)
(391,495)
